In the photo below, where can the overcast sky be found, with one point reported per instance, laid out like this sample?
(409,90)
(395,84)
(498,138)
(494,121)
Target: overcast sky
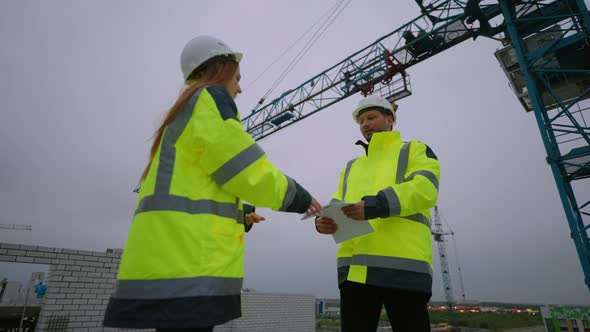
(84,85)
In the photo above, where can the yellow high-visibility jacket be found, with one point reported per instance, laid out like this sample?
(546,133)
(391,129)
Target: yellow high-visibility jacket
(182,265)
(398,254)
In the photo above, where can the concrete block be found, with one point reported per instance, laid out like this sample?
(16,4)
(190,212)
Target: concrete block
(16,252)
(24,259)
(35,253)
(40,260)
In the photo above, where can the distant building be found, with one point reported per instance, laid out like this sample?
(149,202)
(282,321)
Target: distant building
(467,309)
(566,319)
(11,292)
(328,307)
(489,309)
(35,278)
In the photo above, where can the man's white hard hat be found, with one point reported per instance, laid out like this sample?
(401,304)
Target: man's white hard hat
(201,49)
(374,101)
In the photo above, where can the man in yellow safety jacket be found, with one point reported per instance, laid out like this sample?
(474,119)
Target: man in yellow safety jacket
(394,184)
(182,266)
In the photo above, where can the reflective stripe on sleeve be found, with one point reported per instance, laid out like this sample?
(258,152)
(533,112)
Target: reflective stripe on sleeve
(237,164)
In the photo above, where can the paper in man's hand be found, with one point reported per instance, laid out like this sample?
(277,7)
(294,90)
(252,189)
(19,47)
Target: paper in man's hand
(347,228)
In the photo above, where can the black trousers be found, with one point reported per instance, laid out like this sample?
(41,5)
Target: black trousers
(196,329)
(360,308)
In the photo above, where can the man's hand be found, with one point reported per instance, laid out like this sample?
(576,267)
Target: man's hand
(326,225)
(252,217)
(355,211)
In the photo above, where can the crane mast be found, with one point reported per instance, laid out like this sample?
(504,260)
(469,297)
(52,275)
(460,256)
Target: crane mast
(460,272)
(550,75)
(439,238)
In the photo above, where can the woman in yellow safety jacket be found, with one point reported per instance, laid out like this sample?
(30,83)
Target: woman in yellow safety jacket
(182,266)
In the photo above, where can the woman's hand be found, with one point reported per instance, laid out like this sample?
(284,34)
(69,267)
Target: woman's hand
(252,217)
(314,208)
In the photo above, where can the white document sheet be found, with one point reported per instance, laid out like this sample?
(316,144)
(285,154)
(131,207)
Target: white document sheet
(347,228)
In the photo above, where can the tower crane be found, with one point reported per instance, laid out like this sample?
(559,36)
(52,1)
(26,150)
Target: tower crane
(546,57)
(459,271)
(439,235)
(439,238)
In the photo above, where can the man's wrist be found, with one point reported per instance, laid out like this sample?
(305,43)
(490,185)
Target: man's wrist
(371,207)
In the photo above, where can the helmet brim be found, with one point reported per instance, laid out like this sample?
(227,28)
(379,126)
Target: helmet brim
(238,56)
(356,113)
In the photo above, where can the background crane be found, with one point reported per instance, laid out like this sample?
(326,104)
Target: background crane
(546,57)
(439,235)
(459,271)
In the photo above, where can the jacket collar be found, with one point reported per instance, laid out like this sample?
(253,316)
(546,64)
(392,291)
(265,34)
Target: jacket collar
(380,139)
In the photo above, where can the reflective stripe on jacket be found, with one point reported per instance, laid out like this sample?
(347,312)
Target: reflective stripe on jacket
(182,265)
(399,253)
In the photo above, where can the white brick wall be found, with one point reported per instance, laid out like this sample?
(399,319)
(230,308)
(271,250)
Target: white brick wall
(271,312)
(80,282)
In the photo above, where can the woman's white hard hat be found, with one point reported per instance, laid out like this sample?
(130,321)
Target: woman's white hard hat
(200,49)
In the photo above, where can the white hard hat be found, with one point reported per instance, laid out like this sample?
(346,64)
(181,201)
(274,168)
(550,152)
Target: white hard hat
(201,49)
(374,101)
